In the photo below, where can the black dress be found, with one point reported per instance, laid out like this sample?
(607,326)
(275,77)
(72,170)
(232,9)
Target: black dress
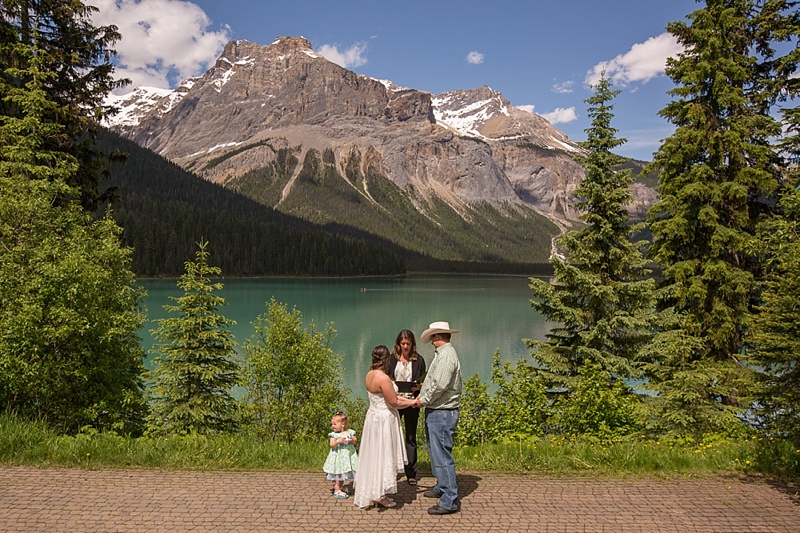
(410,415)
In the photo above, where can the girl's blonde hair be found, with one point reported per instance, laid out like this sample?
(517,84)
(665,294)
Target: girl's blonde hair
(343,417)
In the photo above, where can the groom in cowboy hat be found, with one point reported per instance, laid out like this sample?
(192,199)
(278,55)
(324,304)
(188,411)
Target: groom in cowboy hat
(441,397)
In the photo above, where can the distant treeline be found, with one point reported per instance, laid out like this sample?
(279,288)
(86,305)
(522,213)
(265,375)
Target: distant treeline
(420,264)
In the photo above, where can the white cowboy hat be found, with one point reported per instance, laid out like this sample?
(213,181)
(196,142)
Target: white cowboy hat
(437,327)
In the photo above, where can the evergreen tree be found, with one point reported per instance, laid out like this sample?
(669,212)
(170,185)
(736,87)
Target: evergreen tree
(718,176)
(600,296)
(774,332)
(69,307)
(775,328)
(195,368)
(25,135)
(76,58)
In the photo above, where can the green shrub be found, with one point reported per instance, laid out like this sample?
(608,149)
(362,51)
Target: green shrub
(598,407)
(475,415)
(519,406)
(293,378)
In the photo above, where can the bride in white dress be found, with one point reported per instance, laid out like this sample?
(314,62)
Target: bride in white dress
(382,453)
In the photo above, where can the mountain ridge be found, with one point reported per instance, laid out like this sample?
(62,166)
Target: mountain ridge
(260,107)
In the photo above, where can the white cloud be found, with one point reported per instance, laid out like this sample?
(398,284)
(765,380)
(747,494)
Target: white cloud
(350,58)
(643,62)
(563,87)
(475,58)
(528,107)
(163,41)
(561,115)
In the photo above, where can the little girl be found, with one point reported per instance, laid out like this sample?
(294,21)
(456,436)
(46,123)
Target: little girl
(342,459)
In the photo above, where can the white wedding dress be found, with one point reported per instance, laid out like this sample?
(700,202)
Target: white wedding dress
(381,455)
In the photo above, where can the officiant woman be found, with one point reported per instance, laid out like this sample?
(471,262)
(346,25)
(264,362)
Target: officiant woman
(408,366)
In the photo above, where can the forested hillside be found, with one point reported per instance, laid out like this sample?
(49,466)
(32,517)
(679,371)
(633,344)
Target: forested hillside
(165,211)
(363,197)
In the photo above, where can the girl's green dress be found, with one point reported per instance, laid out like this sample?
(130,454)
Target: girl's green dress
(342,461)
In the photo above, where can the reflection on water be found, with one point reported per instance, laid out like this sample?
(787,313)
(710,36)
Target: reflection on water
(491,312)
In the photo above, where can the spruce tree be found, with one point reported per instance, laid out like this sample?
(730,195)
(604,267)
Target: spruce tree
(718,176)
(600,297)
(195,368)
(76,59)
(773,340)
(774,333)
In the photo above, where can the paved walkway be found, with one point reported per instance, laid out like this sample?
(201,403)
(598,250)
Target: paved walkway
(78,501)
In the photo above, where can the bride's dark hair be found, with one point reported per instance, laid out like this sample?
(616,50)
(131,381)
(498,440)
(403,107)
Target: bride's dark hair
(380,358)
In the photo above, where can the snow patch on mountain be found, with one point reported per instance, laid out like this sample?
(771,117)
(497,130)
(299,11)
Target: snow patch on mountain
(564,146)
(225,76)
(466,120)
(390,85)
(224,145)
(133,106)
(462,112)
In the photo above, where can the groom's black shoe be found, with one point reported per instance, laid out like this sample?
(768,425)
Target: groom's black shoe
(436,510)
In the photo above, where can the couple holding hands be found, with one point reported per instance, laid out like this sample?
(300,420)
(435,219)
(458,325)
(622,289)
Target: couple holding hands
(398,385)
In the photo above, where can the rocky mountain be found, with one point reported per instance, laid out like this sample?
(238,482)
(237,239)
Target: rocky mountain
(303,135)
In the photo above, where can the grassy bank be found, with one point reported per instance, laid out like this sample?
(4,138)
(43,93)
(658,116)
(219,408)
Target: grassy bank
(24,443)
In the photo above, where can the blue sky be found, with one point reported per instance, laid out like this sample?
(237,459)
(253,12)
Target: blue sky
(541,56)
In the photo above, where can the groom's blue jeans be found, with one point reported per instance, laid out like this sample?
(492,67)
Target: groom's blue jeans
(440,426)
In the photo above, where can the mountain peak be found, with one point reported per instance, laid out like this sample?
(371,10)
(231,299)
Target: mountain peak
(486,114)
(291,44)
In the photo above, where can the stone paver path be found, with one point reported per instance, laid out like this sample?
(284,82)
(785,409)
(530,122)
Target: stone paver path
(79,501)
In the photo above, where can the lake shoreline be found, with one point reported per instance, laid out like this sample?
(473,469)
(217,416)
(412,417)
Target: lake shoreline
(492,312)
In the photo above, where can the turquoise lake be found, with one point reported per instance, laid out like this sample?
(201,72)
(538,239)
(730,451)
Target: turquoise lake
(492,312)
